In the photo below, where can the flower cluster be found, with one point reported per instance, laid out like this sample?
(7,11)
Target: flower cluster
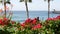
(31,23)
(37,26)
(55,18)
(5,21)
(30,26)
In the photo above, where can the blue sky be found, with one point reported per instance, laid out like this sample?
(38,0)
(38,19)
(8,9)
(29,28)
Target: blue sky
(37,5)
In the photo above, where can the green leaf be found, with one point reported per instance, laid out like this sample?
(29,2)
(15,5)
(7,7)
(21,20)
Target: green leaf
(0,0)
(44,0)
(12,30)
(1,29)
(27,0)
(30,0)
(8,1)
(21,0)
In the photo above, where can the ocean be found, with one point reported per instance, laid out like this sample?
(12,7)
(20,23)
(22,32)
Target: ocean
(21,15)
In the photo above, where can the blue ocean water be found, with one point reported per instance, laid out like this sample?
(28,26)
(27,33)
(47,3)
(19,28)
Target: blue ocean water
(21,15)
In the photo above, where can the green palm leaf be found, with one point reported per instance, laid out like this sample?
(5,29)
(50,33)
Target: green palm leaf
(48,0)
(27,0)
(21,0)
(8,1)
(30,0)
(44,0)
(0,1)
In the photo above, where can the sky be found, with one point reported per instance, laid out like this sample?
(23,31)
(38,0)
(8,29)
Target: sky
(36,5)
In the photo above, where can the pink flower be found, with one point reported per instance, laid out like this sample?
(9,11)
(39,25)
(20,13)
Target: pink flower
(1,10)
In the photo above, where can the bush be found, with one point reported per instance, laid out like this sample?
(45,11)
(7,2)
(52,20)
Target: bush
(30,26)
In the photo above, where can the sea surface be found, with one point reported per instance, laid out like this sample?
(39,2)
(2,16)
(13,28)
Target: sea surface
(21,15)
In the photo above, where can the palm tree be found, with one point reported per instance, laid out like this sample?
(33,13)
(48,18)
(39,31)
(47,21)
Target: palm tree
(0,1)
(5,1)
(48,7)
(26,6)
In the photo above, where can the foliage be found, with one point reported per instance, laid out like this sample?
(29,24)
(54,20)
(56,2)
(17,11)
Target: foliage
(26,0)
(30,26)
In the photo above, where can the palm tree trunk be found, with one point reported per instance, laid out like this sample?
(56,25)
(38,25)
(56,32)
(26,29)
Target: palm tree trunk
(27,9)
(5,9)
(48,9)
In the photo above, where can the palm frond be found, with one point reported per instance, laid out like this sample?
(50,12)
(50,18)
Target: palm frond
(0,1)
(21,0)
(8,1)
(44,0)
(52,0)
(27,0)
(30,0)
(48,0)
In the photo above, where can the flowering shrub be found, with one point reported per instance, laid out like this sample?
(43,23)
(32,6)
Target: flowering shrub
(3,21)
(30,26)
(36,26)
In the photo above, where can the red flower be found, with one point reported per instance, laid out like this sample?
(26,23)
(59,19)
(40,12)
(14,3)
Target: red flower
(5,19)
(37,26)
(34,21)
(49,19)
(1,22)
(58,17)
(28,20)
(13,22)
(23,24)
(55,19)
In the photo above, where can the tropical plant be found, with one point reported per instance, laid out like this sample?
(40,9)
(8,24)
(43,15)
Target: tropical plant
(26,6)
(30,26)
(5,1)
(48,7)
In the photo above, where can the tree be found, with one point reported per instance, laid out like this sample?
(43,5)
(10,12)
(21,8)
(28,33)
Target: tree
(26,6)
(5,1)
(48,7)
